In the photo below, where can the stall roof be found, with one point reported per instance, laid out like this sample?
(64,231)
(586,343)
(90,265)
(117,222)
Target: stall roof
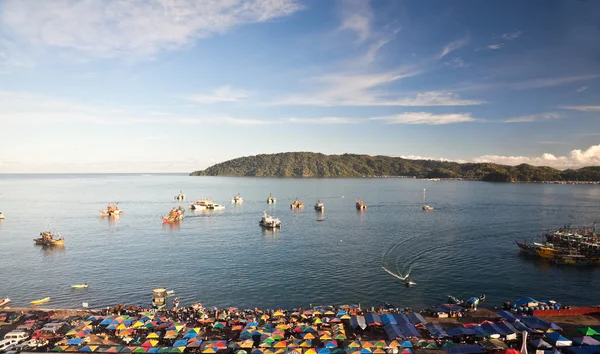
(465,349)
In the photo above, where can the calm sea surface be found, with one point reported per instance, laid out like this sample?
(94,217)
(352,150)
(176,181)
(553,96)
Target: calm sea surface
(465,247)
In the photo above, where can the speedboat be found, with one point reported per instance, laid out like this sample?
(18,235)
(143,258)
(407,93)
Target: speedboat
(40,301)
(271,199)
(80,286)
(237,199)
(200,204)
(296,204)
(360,205)
(48,239)
(180,196)
(319,206)
(4,302)
(427,207)
(269,222)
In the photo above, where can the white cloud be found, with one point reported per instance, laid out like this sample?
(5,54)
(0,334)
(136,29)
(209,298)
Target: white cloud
(221,94)
(452,46)
(356,17)
(582,88)
(417,157)
(534,118)
(512,35)
(426,118)
(135,27)
(576,159)
(457,63)
(583,108)
(324,120)
(495,46)
(12,57)
(550,82)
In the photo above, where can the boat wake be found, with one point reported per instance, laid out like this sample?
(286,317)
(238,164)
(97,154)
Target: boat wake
(401,277)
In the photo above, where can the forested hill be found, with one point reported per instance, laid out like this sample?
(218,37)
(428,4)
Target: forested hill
(309,164)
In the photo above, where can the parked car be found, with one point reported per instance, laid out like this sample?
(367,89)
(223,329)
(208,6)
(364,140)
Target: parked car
(19,336)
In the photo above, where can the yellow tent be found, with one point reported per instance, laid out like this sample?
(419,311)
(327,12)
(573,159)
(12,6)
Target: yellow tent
(153,335)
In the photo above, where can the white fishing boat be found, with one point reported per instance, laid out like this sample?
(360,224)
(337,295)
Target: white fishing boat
(4,302)
(170,293)
(271,199)
(237,199)
(319,206)
(427,207)
(269,222)
(215,206)
(180,196)
(200,204)
(1,216)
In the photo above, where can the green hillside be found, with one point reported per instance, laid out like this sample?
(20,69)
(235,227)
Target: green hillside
(309,164)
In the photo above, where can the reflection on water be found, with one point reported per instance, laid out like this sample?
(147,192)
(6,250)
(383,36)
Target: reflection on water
(172,226)
(271,235)
(53,250)
(113,220)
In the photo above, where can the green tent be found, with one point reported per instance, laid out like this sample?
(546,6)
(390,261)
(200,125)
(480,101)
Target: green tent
(589,331)
(431,345)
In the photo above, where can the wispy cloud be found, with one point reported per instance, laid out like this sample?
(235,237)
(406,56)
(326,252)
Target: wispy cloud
(495,46)
(512,35)
(324,120)
(534,118)
(136,27)
(371,53)
(550,82)
(426,118)
(576,159)
(552,142)
(12,57)
(457,63)
(356,17)
(221,94)
(582,88)
(583,108)
(452,46)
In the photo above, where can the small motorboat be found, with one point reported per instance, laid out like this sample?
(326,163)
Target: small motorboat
(271,199)
(180,196)
(175,215)
(40,301)
(296,204)
(80,286)
(269,222)
(170,293)
(237,199)
(427,207)
(319,206)
(111,210)
(408,282)
(214,206)
(200,204)
(48,239)
(454,300)
(4,302)
(360,205)
(1,216)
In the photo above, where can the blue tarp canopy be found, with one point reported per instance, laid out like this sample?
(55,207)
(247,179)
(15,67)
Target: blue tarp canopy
(393,331)
(448,308)
(460,331)
(409,330)
(416,318)
(506,327)
(401,318)
(524,301)
(507,316)
(558,340)
(75,341)
(540,344)
(555,327)
(387,319)
(465,349)
(406,344)
(435,331)
(522,327)
(353,322)
(373,319)
(577,350)
(180,343)
(592,349)
(492,329)
(585,340)
(535,323)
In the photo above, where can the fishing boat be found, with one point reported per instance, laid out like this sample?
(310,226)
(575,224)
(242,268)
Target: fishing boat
(159,298)
(170,292)
(296,204)
(237,199)
(1,216)
(269,222)
(427,207)
(200,204)
(215,206)
(180,196)
(454,300)
(80,286)
(40,301)
(271,199)
(112,210)
(175,215)
(319,206)
(360,205)
(4,302)
(48,239)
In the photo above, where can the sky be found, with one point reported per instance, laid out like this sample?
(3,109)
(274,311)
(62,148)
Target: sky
(176,86)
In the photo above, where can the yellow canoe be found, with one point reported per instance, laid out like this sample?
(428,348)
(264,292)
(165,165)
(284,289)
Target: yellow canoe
(40,301)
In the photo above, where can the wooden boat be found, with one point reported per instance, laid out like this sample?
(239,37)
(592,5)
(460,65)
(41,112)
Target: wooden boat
(4,302)
(360,205)
(40,301)
(175,215)
(271,199)
(319,206)
(427,207)
(296,204)
(1,216)
(180,196)
(79,286)
(111,210)
(48,239)
(546,252)
(269,222)
(237,199)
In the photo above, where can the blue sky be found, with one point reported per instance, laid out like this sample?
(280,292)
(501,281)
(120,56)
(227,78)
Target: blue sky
(175,86)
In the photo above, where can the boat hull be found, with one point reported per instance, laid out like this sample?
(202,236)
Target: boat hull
(40,301)
(41,241)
